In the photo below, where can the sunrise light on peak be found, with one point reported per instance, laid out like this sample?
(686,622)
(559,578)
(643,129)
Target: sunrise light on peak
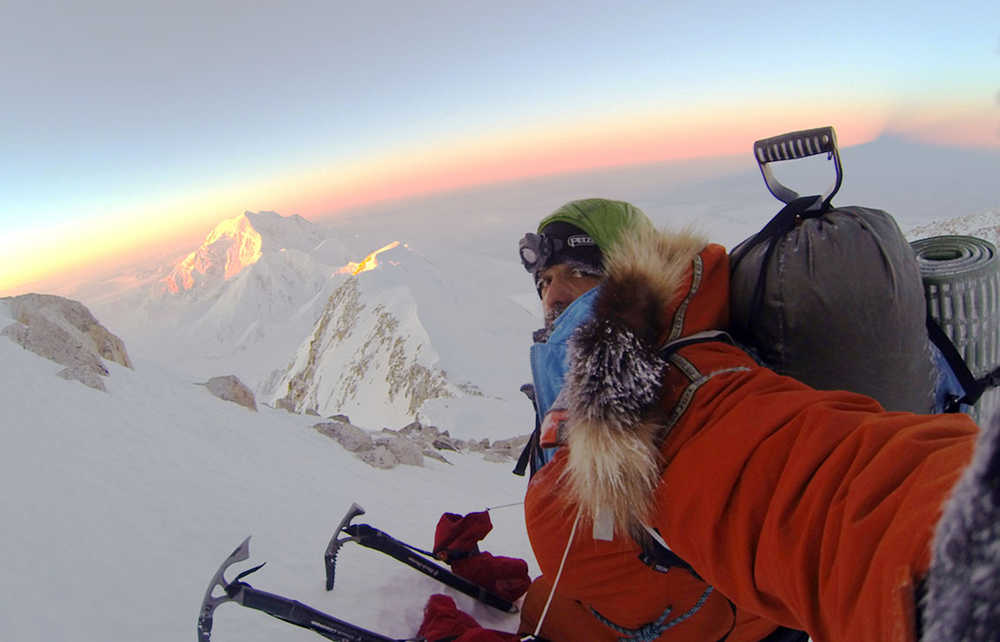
(370,262)
(232,246)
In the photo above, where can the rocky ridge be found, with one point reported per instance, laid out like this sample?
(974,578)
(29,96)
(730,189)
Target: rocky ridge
(409,445)
(64,331)
(357,347)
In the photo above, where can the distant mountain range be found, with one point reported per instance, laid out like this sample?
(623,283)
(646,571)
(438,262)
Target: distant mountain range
(446,312)
(280,302)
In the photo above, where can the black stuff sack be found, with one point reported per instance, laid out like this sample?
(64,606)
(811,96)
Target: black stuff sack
(833,296)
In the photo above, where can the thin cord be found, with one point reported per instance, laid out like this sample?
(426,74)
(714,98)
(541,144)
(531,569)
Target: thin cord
(545,611)
(489,508)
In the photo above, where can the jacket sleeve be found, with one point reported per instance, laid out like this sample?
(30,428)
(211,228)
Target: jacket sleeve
(814,509)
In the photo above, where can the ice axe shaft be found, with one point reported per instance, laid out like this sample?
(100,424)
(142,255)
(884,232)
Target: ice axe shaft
(302,615)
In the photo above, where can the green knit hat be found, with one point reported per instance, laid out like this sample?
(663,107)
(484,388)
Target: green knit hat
(602,219)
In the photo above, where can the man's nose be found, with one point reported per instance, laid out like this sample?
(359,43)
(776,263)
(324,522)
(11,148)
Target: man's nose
(558,292)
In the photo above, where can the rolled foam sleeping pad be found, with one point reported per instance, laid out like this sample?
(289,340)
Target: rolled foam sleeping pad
(961,277)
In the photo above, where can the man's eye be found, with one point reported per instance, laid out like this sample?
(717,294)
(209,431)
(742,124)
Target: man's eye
(578,274)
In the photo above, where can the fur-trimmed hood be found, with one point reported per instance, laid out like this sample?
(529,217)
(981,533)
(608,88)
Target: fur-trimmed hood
(659,287)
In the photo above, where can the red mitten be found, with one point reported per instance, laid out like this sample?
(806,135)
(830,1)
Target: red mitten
(506,577)
(457,536)
(443,621)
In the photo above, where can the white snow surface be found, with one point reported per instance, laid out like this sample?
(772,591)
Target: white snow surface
(119,507)
(984,225)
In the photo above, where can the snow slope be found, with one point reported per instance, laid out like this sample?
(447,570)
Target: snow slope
(119,507)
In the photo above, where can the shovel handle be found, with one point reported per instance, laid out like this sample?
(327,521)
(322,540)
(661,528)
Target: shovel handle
(793,145)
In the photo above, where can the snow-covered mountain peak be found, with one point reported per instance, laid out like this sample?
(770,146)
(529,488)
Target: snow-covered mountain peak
(239,303)
(291,232)
(237,243)
(368,356)
(232,245)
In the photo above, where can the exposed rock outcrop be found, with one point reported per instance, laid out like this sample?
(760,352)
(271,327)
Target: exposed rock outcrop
(230,388)
(406,451)
(412,443)
(379,457)
(349,436)
(64,331)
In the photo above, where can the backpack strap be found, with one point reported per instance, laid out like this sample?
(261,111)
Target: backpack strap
(699,337)
(973,387)
(531,453)
(783,221)
(657,555)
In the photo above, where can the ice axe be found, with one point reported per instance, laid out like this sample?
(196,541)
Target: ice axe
(283,608)
(330,557)
(412,556)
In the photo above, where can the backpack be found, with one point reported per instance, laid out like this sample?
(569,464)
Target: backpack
(834,297)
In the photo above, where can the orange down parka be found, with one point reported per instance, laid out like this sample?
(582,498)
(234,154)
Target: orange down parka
(812,510)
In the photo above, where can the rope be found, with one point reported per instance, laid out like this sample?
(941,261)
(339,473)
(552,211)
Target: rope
(653,630)
(545,611)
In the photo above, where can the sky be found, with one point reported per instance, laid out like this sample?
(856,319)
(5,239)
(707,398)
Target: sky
(129,129)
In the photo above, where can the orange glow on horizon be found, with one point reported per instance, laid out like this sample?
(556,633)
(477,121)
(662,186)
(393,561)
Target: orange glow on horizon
(566,148)
(52,261)
(48,257)
(966,124)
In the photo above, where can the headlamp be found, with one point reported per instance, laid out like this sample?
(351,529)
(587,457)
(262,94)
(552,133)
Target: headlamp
(564,243)
(536,249)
